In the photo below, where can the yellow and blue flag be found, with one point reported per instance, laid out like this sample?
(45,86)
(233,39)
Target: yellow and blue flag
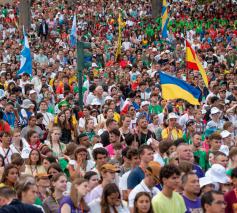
(165,20)
(174,88)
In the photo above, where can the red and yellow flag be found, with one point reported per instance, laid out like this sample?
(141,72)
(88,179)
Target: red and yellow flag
(193,62)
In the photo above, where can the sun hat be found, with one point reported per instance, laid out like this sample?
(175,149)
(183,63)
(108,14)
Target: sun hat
(172,115)
(225,134)
(218,174)
(153,169)
(109,167)
(214,110)
(27,104)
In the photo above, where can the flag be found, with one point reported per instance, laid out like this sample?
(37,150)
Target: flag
(174,88)
(193,62)
(165,20)
(118,52)
(26,60)
(125,106)
(73,34)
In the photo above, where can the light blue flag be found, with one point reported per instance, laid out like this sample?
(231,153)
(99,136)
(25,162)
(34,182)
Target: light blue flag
(26,60)
(165,20)
(73,34)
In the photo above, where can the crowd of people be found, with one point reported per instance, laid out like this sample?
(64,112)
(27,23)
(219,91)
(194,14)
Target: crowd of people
(126,149)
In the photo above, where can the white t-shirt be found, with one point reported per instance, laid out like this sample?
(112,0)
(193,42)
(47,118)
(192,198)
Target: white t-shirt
(7,153)
(141,187)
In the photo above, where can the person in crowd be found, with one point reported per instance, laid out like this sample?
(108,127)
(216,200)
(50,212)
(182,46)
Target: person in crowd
(59,185)
(100,156)
(75,202)
(54,143)
(10,203)
(191,191)
(107,172)
(81,164)
(168,200)
(137,175)
(5,149)
(142,203)
(93,181)
(9,176)
(34,165)
(213,201)
(148,184)
(110,201)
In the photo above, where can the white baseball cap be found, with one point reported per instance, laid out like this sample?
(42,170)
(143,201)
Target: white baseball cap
(172,115)
(225,134)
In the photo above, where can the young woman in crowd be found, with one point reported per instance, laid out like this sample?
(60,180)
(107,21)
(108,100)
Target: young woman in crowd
(142,203)
(75,202)
(9,176)
(17,142)
(33,140)
(54,142)
(60,120)
(90,128)
(110,201)
(81,164)
(34,164)
(54,169)
(124,127)
(93,181)
(59,186)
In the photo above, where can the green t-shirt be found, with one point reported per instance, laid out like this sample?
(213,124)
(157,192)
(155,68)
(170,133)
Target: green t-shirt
(202,159)
(63,164)
(187,138)
(163,204)
(157,109)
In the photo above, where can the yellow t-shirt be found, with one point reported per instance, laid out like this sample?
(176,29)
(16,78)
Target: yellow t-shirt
(163,204)
(175,133)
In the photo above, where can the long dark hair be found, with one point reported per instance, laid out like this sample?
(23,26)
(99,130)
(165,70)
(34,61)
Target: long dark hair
(108,190)
(6,172)
(39,162)
(136,210)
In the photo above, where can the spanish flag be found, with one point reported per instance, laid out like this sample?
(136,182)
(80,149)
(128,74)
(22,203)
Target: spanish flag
(193,62)
(174,88)
(165,20)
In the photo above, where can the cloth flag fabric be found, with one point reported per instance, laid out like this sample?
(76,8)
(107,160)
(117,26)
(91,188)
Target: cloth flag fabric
(165,20)
(118,51)
(26,60)
(73,34)
(174,88)
(193,62)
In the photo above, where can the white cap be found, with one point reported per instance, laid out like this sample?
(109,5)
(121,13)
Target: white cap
(108,98)
(224,149)
(225,134)
(172,115)
(32,92)
(144,103)
(205,181)
(214,110)
(217,174)
(97,145)
(154,49)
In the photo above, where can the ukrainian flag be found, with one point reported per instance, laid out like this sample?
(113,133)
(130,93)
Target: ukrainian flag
(174,88)
(165,20)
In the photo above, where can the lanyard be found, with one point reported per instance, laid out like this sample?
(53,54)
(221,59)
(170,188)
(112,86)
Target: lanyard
(6,154)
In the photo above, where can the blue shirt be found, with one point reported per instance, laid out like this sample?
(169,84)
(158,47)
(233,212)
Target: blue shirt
(68,200)
(135,177)
(191,205)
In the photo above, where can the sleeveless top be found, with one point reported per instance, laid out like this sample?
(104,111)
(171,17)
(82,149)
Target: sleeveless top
(68,200)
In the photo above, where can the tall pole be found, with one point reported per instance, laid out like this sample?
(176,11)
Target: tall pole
(80,67)
(156,6)
(25,14)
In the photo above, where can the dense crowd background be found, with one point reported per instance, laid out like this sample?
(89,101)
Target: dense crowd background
(127,149)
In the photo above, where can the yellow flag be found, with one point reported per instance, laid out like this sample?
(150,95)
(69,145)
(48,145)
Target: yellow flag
(118,52)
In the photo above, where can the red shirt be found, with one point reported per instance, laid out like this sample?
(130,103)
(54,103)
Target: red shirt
(4,126)
(231,201)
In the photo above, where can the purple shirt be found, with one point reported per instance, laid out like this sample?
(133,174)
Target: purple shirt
(68,200)
(192,205)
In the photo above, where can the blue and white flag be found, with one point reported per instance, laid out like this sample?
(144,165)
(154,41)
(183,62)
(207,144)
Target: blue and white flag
(26,60)
(73,34)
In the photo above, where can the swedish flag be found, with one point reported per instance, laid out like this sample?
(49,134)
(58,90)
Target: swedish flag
(165,20)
